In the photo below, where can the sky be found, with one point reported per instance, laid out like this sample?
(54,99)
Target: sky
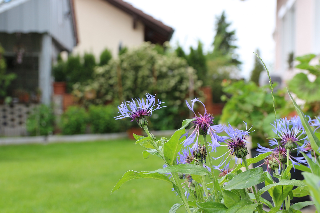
(193,20)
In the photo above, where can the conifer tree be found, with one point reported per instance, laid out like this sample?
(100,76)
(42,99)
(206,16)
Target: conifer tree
(223,43)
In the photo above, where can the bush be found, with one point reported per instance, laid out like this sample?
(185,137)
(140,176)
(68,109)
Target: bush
(137,72)
(105,57)
(59,72)
(40,122)
(74,121)
(89,62)
(102,119)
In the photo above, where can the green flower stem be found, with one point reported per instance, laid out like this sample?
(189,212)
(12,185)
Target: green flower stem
(287,200)
(174,174)
(145,128)
(206,145)
(210,165)
(253,188)
(204,185)
(182,196)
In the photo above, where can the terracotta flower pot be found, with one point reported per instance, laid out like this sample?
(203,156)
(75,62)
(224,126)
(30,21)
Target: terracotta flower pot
(131,131)
(59,88)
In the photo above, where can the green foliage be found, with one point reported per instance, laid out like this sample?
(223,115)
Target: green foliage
(130,175)
(223,63)
(304,88)
(257,69)
(197,60)
(123,51)
(223,43)
(89,62)
(40,121)
(5,79)
(173,146)
(253,105)
(140,71)
(73,69)
(105,57)
(74,121)
(59,71)
(102,119)
(180,53)
(246,179)
(314,141)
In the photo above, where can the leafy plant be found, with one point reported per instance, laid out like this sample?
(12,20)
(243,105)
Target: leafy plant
(5,79)
(106,56)
(74,121)
(102,119)
(307,90)
(254,105)
(210,184)
(40,121)
(138,71)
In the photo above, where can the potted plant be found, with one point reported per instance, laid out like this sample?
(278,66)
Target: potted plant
(59,74)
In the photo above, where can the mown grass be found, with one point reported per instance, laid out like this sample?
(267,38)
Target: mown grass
(79,177)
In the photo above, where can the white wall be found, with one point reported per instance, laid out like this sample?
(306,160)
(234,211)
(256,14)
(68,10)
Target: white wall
(101,25)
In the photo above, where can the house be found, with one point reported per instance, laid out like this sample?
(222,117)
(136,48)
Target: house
(32,33)
(297,32)
(114,24)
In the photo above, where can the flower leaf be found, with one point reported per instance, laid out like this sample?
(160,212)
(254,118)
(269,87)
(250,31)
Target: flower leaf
(184,168)
(130,175)
(212,207)
(186,122)
(252,160)
(175,207)
(246,179)
(172,147)
(282,183)
(312,182)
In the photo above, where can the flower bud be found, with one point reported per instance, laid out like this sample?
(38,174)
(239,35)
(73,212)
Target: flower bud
(241,152)
(289,145)
(142,121)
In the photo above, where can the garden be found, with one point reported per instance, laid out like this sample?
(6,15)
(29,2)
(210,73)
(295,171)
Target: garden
(243,158)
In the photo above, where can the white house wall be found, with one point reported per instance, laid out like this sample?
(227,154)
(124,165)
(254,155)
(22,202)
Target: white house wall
(297,30)
(101,25)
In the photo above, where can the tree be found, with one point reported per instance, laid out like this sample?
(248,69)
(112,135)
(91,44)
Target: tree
(180,53)
(257,69)
(197,60)
(223,43)
(222,62)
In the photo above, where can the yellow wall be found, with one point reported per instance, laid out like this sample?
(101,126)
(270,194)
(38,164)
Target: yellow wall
(102,25)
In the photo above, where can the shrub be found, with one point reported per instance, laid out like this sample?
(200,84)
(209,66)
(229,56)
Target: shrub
(102,119)
(74,121)
(105,57)
(59,72)
(137,72)
(40,121)
(89,62)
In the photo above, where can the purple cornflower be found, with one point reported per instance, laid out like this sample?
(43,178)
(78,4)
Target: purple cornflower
(289,131)
(202,126)
(139,109)
(237,141)
(185,156)
(315,122)
(278,157)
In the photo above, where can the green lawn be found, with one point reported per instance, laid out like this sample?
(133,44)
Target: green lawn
(79,177)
